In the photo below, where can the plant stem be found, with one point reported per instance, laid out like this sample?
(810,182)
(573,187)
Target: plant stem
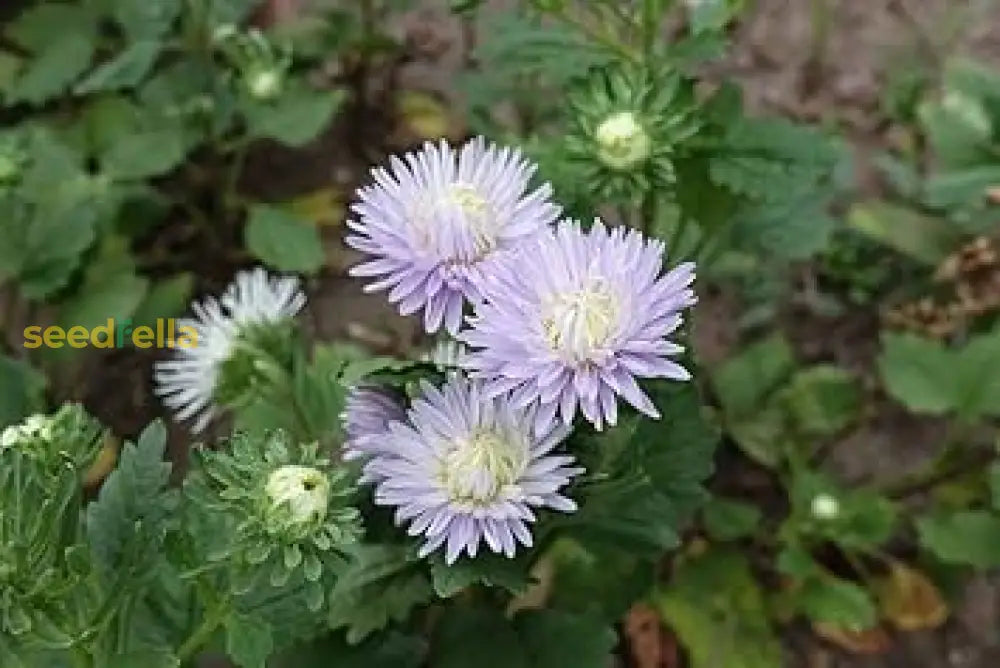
(201,635)
(81,658)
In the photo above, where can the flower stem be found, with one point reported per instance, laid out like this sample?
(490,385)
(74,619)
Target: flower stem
(201,635)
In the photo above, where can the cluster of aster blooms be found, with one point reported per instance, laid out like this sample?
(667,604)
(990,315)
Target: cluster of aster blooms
(546,320)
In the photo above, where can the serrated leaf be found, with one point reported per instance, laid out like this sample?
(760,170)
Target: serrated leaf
(125,70)
(283,240)
(379,585)
(54,69)
(918,372)
(296,117)
(970,538)
(555,638)
(485,634)
(130,516)
(248,641)
(730,520)
(489,569)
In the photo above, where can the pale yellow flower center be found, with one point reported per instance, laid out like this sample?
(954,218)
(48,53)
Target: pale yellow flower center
(576,325)
(475,222)
(478,469)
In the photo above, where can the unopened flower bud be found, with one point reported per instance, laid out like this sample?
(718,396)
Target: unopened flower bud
(825,507)
(300,494)
(265,84)
(622,141)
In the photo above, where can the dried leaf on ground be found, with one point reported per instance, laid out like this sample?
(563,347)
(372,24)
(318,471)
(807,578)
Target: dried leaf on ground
(910,600)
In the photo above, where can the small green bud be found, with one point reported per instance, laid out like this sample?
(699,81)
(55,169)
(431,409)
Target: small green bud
(299,495)
(622,141)
(265,83)
(825,507)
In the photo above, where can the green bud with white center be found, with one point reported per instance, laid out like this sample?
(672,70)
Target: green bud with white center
(265,83)
(622,141)
(825,507)
(288,504)
(299,494)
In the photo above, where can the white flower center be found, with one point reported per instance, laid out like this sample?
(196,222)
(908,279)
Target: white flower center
(458,223)
(476,470)
(577,325)
(622,141)
(302,490)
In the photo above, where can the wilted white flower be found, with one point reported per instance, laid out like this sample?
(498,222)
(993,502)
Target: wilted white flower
(229,333)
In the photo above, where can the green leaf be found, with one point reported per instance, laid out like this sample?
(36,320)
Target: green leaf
(716,608)
(145,154)
(125,70)
(764,437)
(167,298)
(144,659)
(248,641)
(54,69)
(977,377)
(958,128)
(822,400)
(296,118)
(838,602)
(712,15)
(730,520)
(283,240)
(380,585)
(127,522)
(598,580)
(969,538)
(484,634)
(34,27)
(960,187)
(923,238)
(489,569)
(145,20)
(919,373)
(110,291)
(21,390)
(744,381)
(995,485)
(388,650)
(555,638)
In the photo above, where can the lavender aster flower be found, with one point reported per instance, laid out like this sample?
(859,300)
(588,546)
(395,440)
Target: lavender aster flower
(438,220)
(254,304)
(575,318)
(366,418)
(465,469)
